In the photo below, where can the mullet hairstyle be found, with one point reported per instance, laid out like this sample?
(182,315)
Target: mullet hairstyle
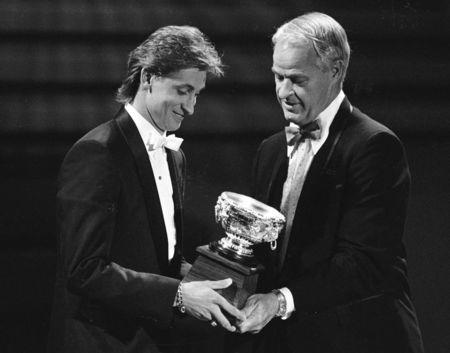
(168,50)
(326,35)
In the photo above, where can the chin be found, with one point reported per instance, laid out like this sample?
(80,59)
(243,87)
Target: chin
(174,127)
(293,119)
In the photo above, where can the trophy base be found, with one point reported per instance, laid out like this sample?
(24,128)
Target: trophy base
(211,265)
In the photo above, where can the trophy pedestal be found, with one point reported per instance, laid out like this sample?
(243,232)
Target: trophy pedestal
(210,265)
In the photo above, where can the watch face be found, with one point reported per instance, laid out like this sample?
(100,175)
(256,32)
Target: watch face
(282,310)
(282,305)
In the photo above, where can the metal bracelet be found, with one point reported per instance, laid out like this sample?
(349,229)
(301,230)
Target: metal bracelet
(179,299)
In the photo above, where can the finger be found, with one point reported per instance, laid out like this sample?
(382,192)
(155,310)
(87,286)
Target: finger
(248,310)
(203,315)
(251,302)
(249,326)
(222,320)
(247,313)
(224,304)
(223,283)
(244,327)
(252,323)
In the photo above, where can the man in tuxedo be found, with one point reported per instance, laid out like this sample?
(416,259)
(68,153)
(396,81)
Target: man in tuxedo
(337,281)
(120,203)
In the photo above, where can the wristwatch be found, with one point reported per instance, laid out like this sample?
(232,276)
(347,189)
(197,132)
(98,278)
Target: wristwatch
(179,299)
(282,305)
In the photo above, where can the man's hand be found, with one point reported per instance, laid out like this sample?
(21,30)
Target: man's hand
(259,310)
(204,303)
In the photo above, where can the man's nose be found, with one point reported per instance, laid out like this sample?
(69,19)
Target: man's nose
(189,105)
(285,88)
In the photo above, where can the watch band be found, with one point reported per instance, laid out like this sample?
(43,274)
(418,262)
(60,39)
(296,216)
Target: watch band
(179,299)
(282,304)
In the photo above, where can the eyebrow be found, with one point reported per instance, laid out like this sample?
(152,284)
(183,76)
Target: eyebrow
(184,85)
(188,86)
(291,76)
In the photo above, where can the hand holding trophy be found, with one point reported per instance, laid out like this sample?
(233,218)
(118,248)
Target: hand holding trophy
(246,222)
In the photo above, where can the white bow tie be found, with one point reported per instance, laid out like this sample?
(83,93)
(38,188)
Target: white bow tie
(157,141)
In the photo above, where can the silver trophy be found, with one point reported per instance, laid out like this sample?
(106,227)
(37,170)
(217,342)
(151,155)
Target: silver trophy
(246,222)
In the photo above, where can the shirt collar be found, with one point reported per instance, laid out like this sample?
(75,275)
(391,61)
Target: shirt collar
(324,119)
(145,128)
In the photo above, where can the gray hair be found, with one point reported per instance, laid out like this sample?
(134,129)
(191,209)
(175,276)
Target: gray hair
(165,51)
(326,35)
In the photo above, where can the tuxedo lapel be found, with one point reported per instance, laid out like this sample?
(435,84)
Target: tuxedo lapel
(149,188)
(271,174)
(320,162)
(177,181)
(279,161)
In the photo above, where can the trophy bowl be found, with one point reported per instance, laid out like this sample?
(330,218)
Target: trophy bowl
(246,222)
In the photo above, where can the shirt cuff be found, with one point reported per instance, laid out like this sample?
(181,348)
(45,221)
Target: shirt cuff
(290,307)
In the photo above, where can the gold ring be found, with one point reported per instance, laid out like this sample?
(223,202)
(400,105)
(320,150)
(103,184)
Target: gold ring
(213,323)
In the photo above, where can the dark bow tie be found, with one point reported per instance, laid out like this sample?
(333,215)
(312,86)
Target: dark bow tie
(295,134)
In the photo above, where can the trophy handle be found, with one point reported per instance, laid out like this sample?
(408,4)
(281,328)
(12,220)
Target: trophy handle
(273,245)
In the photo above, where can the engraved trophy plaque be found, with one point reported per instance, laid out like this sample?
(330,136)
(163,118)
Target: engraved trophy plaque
(246,222)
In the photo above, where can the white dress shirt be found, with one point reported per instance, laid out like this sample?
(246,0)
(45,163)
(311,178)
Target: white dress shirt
(324,119)
(160,167)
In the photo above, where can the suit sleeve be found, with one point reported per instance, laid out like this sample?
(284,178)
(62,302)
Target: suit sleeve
(88,193)
(368,255)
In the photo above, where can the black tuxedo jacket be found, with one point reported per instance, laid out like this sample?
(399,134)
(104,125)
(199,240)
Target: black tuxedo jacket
(114,288)
(345,264)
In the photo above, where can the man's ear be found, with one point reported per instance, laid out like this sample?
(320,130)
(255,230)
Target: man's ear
(337,69)
(146,80)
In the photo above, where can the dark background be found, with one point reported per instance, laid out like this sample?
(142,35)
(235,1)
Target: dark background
(61,62)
